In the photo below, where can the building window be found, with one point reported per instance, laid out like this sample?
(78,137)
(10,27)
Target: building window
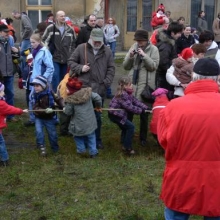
(37,10)
(208,6)
(146,14)
(131,15)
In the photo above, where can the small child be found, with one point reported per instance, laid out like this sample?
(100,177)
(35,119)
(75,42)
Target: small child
(123,103)
(79,105)
(44,104)
(5,110)
(183,66)
(161,100)
(158,17)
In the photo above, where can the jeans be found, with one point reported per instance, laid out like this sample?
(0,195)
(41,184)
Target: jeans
(59,72)
(98,129)
(86,141)
(9,91)
(175,215)
(127,131)
(51,130)
(143,125)
(25,45)
(3,150)
(112,47)
(30,104)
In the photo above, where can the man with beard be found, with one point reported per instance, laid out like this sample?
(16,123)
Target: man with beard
(93,64)
(142,60)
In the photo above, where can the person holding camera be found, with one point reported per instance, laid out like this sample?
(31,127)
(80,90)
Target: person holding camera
(142,61)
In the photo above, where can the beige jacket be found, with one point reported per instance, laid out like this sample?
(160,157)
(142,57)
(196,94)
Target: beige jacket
(216,29)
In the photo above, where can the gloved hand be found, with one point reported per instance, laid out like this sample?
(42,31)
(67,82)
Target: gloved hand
(49,110)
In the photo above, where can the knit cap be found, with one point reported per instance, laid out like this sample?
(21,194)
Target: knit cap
(207,67)
(186,53)
(2,87)
(40,80)
(73,85)
(160,91)
(161,7)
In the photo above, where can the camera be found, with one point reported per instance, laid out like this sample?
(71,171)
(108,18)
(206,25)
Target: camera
(135,51)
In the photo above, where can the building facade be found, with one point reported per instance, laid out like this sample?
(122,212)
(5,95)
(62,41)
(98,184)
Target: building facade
(130,15)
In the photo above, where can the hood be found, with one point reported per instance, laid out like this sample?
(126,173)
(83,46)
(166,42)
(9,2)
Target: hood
(80,97)
(163,37)
(213,45)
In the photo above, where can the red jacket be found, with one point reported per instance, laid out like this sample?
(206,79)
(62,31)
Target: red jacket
(5,110)
(189,131)
(157,21)
(160,103)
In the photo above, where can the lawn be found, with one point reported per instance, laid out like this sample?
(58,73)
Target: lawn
(112,186)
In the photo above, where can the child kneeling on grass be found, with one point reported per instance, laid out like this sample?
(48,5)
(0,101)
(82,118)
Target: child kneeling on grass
(83,123)
(44,104)
(5,110)
(123,103)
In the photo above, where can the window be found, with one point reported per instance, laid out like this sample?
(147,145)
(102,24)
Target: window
(202,5)
(131,15)
(37,10)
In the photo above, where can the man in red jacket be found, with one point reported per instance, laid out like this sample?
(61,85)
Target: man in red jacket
(189,132)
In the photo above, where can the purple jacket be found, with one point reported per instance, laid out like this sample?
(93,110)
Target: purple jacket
(127,103)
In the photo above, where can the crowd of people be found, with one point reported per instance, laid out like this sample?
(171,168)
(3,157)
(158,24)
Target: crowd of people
(70,69)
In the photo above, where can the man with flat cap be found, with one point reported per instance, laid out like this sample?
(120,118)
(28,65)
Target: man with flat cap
(93,64)
(189,132)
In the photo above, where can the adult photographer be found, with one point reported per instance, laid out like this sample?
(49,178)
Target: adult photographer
(142,60)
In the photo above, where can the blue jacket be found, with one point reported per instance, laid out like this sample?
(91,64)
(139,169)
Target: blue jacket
(43,65)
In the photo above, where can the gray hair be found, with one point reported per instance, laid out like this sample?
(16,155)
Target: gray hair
(196,77)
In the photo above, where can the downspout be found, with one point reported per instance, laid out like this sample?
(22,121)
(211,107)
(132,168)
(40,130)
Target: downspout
(106,10)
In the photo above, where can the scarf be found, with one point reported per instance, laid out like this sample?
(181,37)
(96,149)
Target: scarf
(35,51)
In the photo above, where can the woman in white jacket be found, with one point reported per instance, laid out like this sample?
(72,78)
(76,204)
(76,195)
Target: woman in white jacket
(111,32)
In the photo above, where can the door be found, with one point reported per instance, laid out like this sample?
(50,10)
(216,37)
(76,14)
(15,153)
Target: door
(138,16)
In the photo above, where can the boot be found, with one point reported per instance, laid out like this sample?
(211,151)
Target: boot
(42,151)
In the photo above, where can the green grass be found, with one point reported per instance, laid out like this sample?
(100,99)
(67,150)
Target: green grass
(112,186)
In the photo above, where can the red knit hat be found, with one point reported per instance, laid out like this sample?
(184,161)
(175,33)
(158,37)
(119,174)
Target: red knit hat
(186,53)
(161,7)
(73,85)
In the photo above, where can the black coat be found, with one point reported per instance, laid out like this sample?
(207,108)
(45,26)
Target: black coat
(184,42)
(84,35)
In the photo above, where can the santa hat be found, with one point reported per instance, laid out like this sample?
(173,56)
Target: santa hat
(161,7)
(2,87)
(186,53)
(160,91)
(73,85)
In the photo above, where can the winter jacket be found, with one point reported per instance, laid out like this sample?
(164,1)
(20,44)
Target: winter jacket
(128,104)
(26,27)
(84,35)
(43,100)
(80,106)
(159,104)
(5,110)
(167,51)
(111,32)
(6,64)
(189,131)
(184,42)
(102,67)
(182,70)
(157,20)
(202,25)
(149,65)
(216,29)
(43,65)
(64,43)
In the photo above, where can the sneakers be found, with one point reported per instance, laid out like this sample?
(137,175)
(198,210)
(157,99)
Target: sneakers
(4,163)
(43,152)
(128,151)
(29,123)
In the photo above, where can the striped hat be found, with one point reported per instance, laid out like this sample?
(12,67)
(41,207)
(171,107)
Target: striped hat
(41,80)
(2,87)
